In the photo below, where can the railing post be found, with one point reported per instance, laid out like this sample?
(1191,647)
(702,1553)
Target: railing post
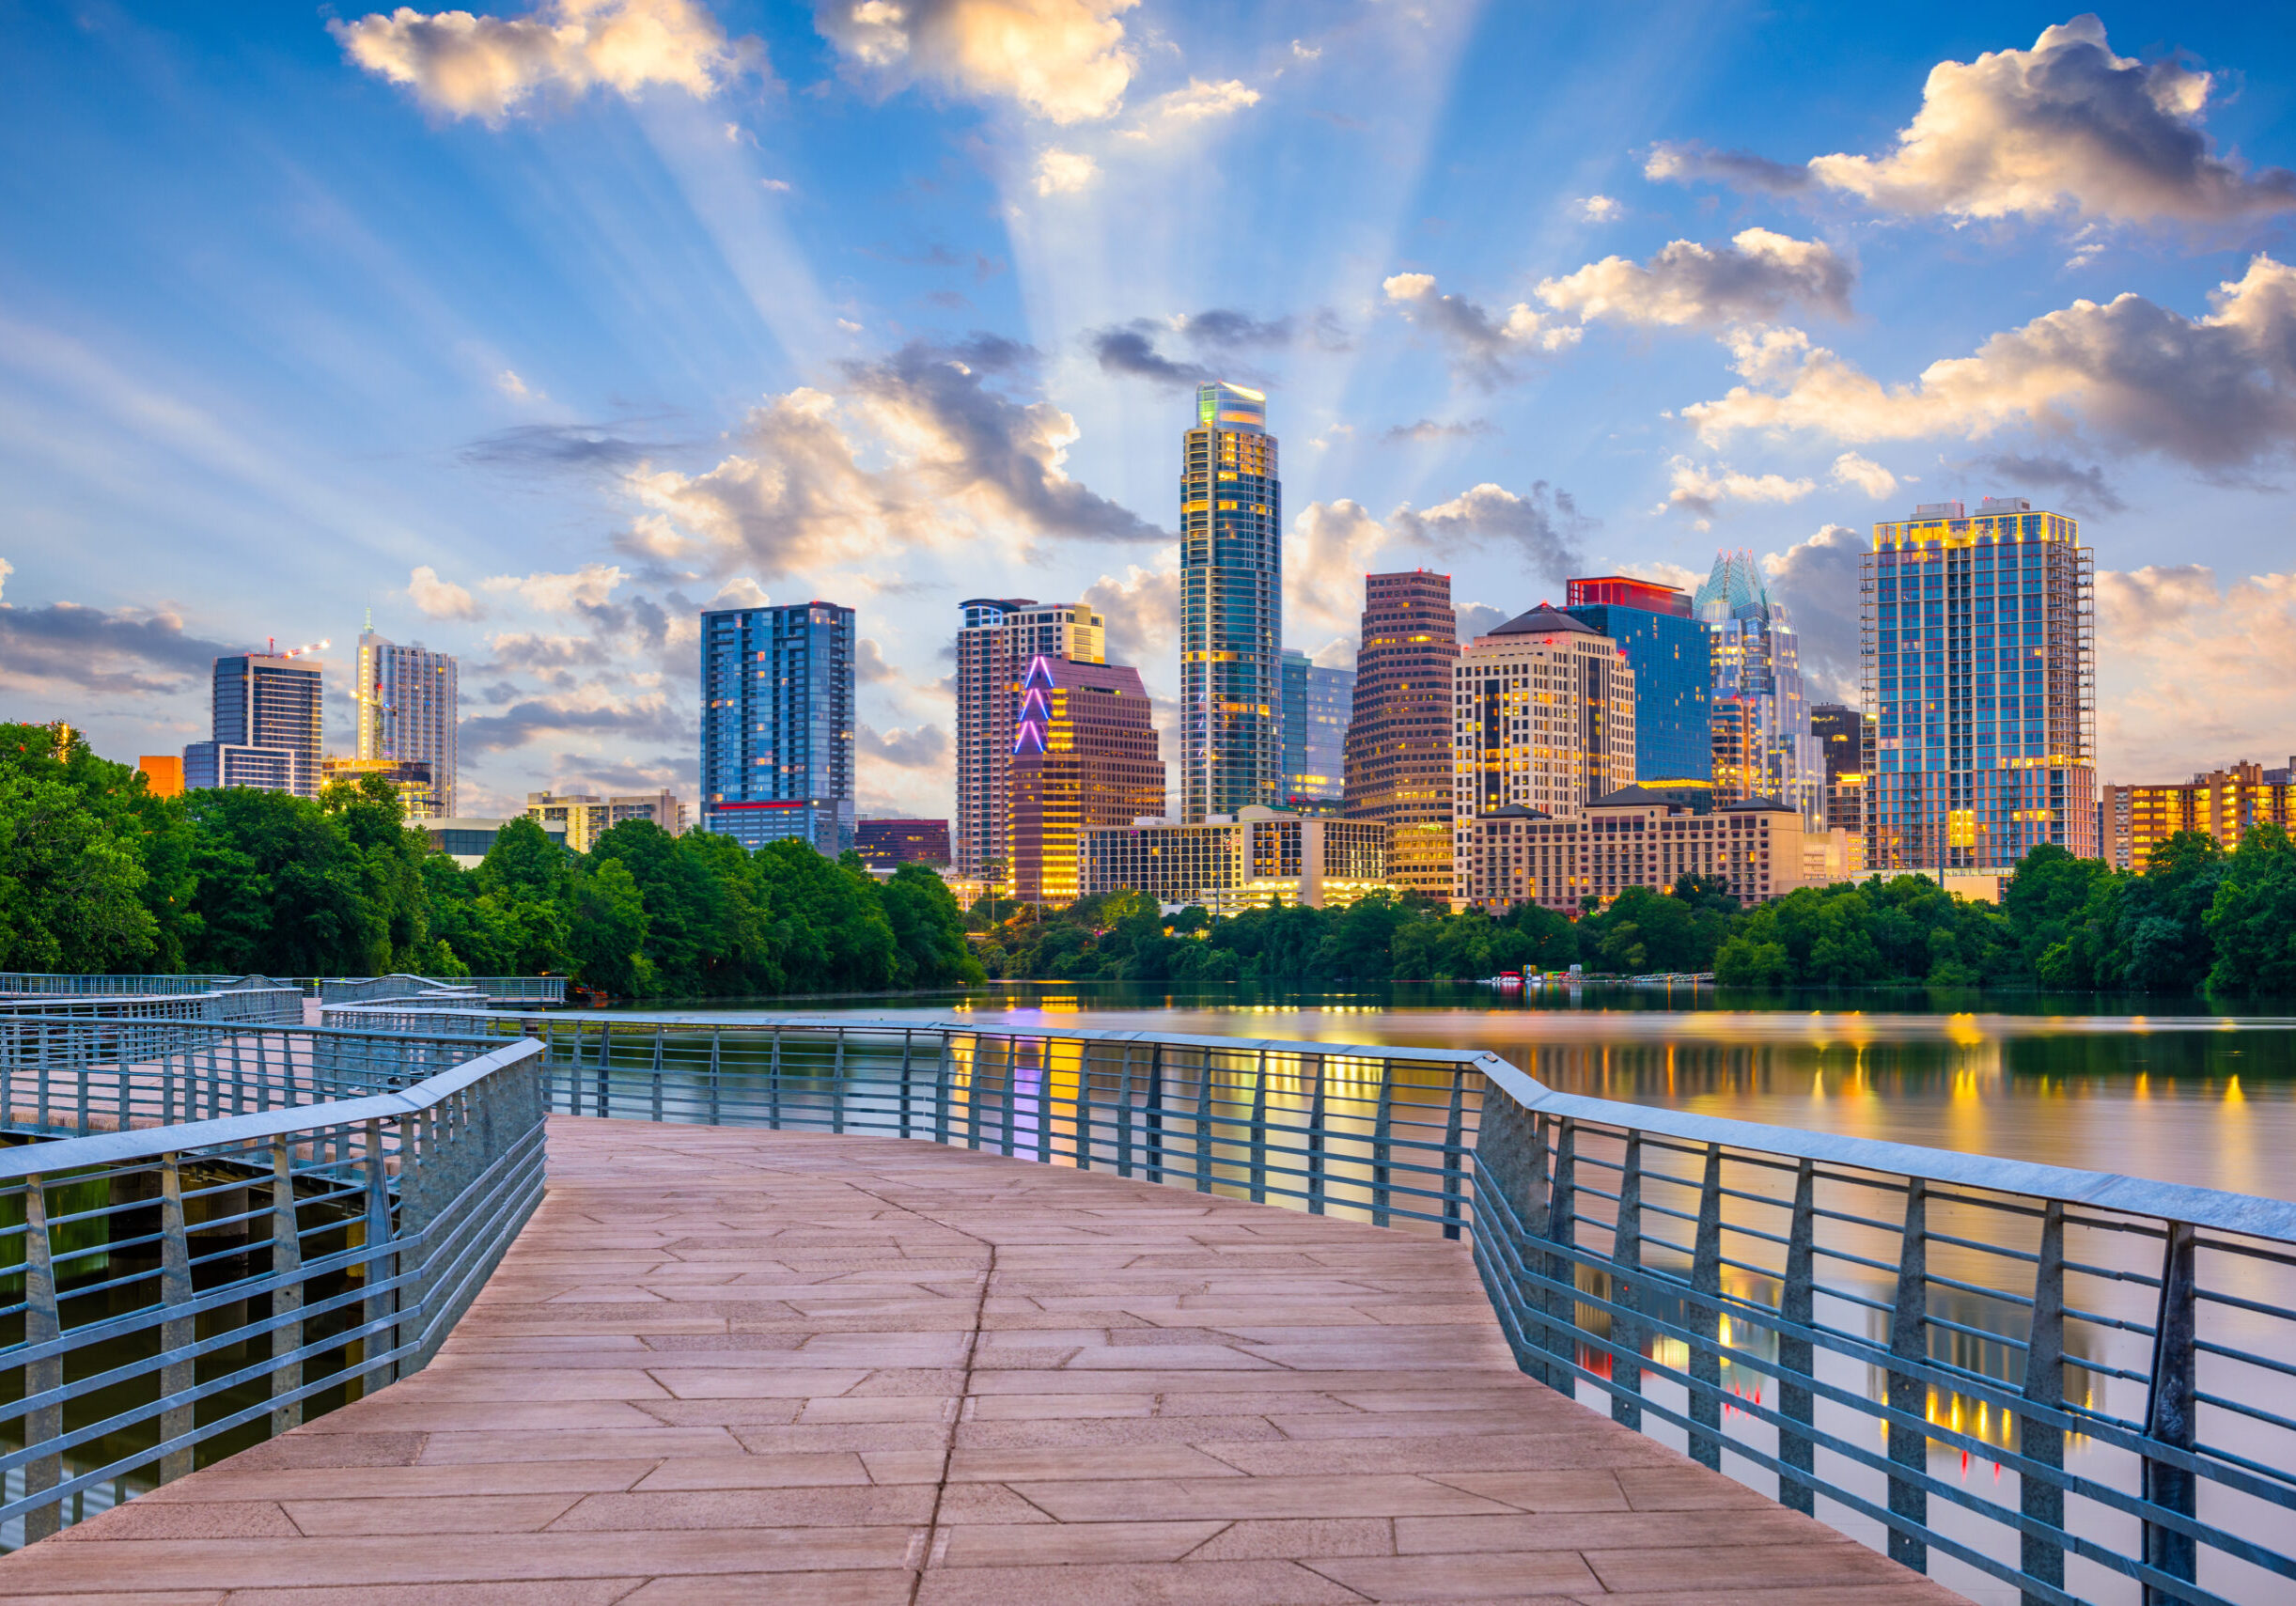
(381,1264)
(908,1053)
(605,1069)
(1705,1318)
(178,1373)
(1012,1067)
(1258,1151)
(657,1031)
(1909,1396)
(1315,1136)
(716,1033)
(2169,1413)
(1797,1305)
(973,1090)
(286,1290)
(1155,1113)
(1561,1266)
(772,1083)
(1081,1139)
(1454,1156)
(836,1085)
(1383,1146)
(1203,1121)
(42,1324)
(943,1079)
(2040,1499)
(1124,1113)
(1626,1290)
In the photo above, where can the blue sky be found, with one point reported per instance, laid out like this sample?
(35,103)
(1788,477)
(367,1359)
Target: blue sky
(538,331)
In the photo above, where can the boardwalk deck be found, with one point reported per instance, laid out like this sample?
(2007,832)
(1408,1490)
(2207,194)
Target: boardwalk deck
(728,1364)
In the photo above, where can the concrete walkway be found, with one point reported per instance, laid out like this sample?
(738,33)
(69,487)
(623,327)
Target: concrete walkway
(739,1365)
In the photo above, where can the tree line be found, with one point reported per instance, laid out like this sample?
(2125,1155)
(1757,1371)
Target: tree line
(98,874)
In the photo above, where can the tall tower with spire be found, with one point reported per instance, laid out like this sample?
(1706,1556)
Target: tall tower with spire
(1764,745)
(1231,587)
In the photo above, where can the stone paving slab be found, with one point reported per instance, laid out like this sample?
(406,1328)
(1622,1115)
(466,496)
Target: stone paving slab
(724,1364)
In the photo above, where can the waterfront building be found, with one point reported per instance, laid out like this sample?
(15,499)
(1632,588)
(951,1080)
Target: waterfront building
(1635,836)
(1672,656)
(466,840)
(2218,804)
(1978,644)
(409,705)
(1231,865)
(1398,741)
(1083,755)
(1231,591)
(1318,704)
(1845,744)
(266,725)
(998,640)
(583,818)
(410,778)
(1757,660)
(162,774)
(777,724)
(883,844)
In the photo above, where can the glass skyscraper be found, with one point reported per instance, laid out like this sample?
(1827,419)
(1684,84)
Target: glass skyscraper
(1317,703)
(266,726)
(1979,648)
(407,698)
(1672,656)
(1758,663)
(1231,586)
(777,724)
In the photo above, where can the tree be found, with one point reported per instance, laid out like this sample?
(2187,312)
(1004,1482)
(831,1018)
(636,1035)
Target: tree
(2252,915)
(70,889)
(606,934)
(282,891)
(929,929)
(390,863)
(827,920)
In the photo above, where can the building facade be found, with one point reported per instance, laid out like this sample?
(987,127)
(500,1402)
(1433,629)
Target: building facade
(1398,741)
(409,705)
(998,640)
(1845,743)
(1636,836)
(1979,649)
(467,839)
(1232,864)
(266,726)
(1318,704)
(883,844)
(2221,804)
(1756,662)
(1673,659)
(162,774)
(583,818)
(777,724)
(410,778)
(1083,755)
(1231,591)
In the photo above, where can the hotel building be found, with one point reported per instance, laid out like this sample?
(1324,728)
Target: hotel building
(408,707)
(2221,804)
(1671,653)
(777,724)
(1231,591)
(1636,836)
(1000,637)
(1083,755)
(1318,704)
(1399,742)
(1228,865)
(267,724)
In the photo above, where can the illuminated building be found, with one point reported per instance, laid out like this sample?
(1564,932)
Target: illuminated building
(1231,601)
(467,839)
(1232,864)
(1399,740)
(1000,637)
(267,724)
(1672,656)
(1735,745)
(777,724)
(883,844)
(2221,803)
(1978,642)
(1757,660)
(409,777)
(1844,741)
(1318,704)
(162,774)
(1636,837)
(585,819)
(1083,755)
(408,707)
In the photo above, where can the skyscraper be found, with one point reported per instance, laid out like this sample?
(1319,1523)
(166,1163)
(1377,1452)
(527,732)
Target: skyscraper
(1083,755)
(1000,637)
(1316,705)
(408,700)
(1979,648)
(1399,742)
(1546,707)
(1673,659)
(266,726)
(1758,661)
(1845,738)
(1231,588)
(777,724)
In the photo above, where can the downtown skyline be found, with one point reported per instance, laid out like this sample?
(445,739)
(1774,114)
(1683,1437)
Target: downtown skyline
(815,311)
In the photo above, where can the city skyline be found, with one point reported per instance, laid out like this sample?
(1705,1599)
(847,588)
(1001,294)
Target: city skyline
(789,309)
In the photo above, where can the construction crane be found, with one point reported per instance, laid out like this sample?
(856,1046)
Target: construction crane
(271,647)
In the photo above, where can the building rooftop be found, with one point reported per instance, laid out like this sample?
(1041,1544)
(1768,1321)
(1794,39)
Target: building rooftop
(1545,619)
(1758,805)
(1514,811)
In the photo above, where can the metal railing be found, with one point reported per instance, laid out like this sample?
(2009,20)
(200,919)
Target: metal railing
(83,986)
(2075,1385)
(468,988)
(534,989)
(276,1006)
(170,1294)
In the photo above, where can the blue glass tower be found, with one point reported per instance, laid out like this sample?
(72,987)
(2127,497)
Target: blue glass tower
(777,724)
(1671,653)
(1316,705)
(1231,588)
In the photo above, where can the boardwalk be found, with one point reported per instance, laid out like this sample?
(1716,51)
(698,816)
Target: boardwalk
(727,1365)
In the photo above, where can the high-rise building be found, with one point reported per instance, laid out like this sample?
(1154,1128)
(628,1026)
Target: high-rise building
(1757,660)
(1736,747)
(408,707)
(2219,803)
(885,844)
(409,777)
(1844,741)
(1672,655)
(266,726)
(1545,720)
(777,724)
(585,819)
(1399,744)
(1979,649)
(1231,592)
(1000,637)
(1262,855)
(1318,704)
(1083,755)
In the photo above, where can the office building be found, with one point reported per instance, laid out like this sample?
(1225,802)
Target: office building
(1000,637)
(410,778)
(1318,704)
(267,724)
(1844,745)
(1978,642)
(1736,747)
(1399,742)
(162,774)
(1672,657)
(1083,755)
(777,724)
(885,844)
(468,840)
(585,819)
(1757,660)
(409,704)
(1231,592)
(1228,865)
(2221,804)
(1636,837)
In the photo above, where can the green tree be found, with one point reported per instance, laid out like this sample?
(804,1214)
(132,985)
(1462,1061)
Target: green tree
(827,919)
(606,931)
(69,888)
(282,890)
(929,929)
(2252,916)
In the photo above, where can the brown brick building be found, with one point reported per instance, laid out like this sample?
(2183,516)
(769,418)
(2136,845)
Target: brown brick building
(1083,755)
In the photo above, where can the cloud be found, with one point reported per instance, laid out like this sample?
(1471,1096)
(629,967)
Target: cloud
(1754,277)
(1063,60)
(1480,618)
(1690,162)
(469,66)
(99,651)
(7,569)
(555,446)
(2216,392)
(1816,581)
(922,747)
(1485,350)
(2085,489)
(515,388)
(1429,430)
(589,711)
(1197,102)
(2199,671)
(1332,546)
(1542,530)
(1701,489)
(1601,208)
(869,665)
(1130,350)
(2065,127)
(1064,171)
(1867,475)
(740,592)
(588,587)
(1662,572)
(440,599)
(1141,606)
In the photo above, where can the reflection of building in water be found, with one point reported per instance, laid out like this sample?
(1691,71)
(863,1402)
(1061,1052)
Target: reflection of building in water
(1996,1358)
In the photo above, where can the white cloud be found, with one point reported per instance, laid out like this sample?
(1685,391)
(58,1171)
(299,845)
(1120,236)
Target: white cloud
(1485,350)
(1702,489)
(440,599)
(1300,52)
(1753,276)
(1064,171)
(921,747)
(777,186)
(1816,581)
(7,569)
(590,586)
(1599,209)
(1066,61)
(1660,571)
(487,66)
(1198,103)
(742,591)
(2197,671)
(1331,547)
(1867,475)
(1142,606)
(516,388)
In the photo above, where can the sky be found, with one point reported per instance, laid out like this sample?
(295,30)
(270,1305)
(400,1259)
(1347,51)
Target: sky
(536,332)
